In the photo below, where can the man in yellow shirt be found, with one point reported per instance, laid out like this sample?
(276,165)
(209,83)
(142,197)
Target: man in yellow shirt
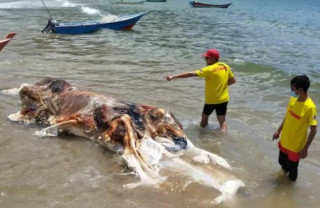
(218,76)
(294,140)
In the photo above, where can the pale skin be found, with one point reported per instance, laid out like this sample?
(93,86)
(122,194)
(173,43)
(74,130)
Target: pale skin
(302,96)
(204,118)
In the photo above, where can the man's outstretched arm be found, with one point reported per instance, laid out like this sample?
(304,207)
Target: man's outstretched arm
(182,75)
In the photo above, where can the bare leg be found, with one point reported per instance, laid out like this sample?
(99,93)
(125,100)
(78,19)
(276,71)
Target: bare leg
(204,120)
(222,122)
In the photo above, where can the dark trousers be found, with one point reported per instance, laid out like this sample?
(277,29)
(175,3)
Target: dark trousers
(288,166)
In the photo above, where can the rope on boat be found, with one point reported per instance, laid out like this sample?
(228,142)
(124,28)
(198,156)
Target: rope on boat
(46,9)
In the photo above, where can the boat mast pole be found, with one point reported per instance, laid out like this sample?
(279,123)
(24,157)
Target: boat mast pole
(46,9)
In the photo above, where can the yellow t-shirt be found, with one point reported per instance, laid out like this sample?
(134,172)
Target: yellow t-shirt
(216,82)
(299,116)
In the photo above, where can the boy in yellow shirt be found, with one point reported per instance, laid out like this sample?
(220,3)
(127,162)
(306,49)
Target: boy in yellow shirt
(218,76)
(294,140)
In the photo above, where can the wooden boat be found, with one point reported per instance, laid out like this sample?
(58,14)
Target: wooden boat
(156,0)
(128,2)
(198,4)
(6,40)
(122,23)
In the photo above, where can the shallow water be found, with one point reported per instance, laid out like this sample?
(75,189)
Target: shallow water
(266,44)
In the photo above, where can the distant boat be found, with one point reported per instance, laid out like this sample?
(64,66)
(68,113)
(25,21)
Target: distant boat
(128,2)
(6,40)
(121,23)
(156,0)
(198,4)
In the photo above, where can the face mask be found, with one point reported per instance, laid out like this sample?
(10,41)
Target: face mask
(293,94)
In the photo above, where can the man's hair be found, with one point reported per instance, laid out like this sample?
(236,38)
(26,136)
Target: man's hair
(302,82)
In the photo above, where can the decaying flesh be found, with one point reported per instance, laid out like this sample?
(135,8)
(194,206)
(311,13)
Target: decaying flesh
(141,134)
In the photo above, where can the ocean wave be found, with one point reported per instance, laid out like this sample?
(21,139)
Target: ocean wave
(19,5)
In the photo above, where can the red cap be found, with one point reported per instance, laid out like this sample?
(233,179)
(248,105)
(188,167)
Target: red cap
(212,53)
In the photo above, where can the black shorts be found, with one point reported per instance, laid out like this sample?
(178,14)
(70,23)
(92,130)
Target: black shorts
(221,109)
(288,166)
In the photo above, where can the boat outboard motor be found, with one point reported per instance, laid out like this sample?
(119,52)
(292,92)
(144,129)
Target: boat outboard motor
(50,26)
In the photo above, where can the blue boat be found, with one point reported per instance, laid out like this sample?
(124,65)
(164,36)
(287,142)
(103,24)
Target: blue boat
(122,23)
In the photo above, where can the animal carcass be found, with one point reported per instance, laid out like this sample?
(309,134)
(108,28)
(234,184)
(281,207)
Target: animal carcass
(142,135)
